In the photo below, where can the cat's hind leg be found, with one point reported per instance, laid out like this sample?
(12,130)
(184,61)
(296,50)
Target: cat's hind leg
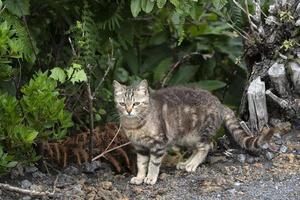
(198,157)
(182,164)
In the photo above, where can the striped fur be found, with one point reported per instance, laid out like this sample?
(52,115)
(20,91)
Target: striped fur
(178,116)
(248,142)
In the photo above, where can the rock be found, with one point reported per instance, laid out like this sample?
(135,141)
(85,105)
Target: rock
(72,170)
(107,185)
(65,180)
(283,149)
(36,187)
(269,155)
(232,191)
(27,198)
(91,167)
(30,169)
(277,135)
(163,176)
(26,184)
(38,174)
(241,158)
(76,191)
(17,171)
(137,190)
(278,142)
(237,184)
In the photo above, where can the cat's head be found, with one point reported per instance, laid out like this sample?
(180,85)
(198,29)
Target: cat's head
(131,101)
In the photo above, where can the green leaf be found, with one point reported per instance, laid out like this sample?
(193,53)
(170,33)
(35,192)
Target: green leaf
(18,7)
(79,76)
(161,3)
(121,75)
(176,3)
(162,68)
(102,111)
(76,66)
(58,74)
(147,5)
(98,117)
(211,85)
(219,4)
(11,164)
(184,74)
(135,7)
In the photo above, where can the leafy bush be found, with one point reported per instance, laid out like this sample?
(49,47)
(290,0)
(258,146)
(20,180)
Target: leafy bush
(43,109)
(39,115)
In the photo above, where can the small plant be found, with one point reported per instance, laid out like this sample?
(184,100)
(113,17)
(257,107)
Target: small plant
(38,116)
(6,161)
(43,109)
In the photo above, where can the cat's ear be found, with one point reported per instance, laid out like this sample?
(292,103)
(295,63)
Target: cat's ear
(143,86)
(118,87)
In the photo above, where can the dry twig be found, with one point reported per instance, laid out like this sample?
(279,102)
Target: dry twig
(29,192)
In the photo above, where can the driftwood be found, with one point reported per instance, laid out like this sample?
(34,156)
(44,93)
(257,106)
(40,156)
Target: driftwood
(281,102)
(35,193)
(295,75)
(257,105)
(279,80)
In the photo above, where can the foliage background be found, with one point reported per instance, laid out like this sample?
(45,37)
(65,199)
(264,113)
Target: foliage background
(50,49)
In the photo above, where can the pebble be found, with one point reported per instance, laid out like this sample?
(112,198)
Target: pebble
(232,191)
(71,170)
(269,155)
(237,184)
(38,174)
(76,190)
(30,169)
(17,171)
(26,198)
(278,142)
(241,158)
(65,180)
(283,149)
(163,176)
(91,167)
(107,185)
(26,184)
(277,135)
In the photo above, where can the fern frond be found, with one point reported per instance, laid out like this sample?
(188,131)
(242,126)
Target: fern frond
(112,22)
(235,14)
(90,37)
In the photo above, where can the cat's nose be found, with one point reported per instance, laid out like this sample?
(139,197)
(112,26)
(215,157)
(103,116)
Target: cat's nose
(128,109)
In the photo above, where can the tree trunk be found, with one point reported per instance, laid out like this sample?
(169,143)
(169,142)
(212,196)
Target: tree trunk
(272,93)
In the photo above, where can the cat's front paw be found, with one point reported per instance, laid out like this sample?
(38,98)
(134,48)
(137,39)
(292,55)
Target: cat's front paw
(136,180)
(191,167)
(150,181)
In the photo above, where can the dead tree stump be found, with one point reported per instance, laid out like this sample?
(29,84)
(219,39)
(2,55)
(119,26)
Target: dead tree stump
(272,54)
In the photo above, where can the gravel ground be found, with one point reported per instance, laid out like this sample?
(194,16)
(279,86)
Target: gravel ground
(238,177)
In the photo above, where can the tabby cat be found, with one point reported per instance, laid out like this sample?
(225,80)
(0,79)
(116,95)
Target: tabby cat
(179,116)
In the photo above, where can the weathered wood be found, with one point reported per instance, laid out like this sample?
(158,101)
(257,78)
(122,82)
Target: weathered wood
(245,127)
(295,75)
(279,80)
(258,115)
(281,102)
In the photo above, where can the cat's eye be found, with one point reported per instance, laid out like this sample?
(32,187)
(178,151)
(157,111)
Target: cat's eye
(122,103)
(136,103)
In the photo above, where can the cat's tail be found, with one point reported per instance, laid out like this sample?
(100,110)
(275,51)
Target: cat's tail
(246,141)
